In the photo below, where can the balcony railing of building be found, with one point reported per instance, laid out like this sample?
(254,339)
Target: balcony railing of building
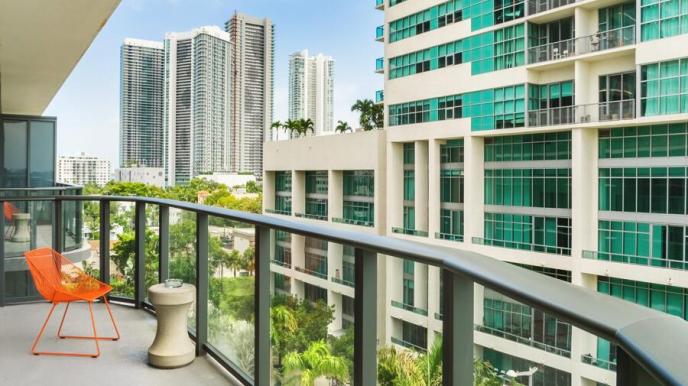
(438,316)
(524,246)
(649,261)
(569,48)
(599,362)
(380,33)
(312,272)
(401,342)
(592,112)
(411,232)
(519,339)
(352,221)
(311,216)
(285,264)
(379,96)
(380,65)
(646,353)
(343,281)
(278,211)
(409,307)
(448,236)
(379,4)
(537,6)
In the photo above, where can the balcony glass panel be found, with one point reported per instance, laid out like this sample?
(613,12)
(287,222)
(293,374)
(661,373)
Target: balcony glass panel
(182,245)
(122,215)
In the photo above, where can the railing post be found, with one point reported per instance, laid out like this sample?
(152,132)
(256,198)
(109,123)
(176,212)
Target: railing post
(105,241)
(2,258)
(630,373)
(164,243)
(263,359)
(365,318)
(58,226)
(202,287)
(140,254)
(457,329)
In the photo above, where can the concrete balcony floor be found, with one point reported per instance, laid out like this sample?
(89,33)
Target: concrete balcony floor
(121,363)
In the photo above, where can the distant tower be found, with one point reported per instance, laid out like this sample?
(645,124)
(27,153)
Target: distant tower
(196,139)
(252,77)
(141,103)
(311,90)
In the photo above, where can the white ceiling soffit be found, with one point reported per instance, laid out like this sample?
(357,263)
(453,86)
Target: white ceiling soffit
(41,41)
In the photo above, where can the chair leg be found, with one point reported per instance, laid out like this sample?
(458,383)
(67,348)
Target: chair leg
(69,354)
(114,324)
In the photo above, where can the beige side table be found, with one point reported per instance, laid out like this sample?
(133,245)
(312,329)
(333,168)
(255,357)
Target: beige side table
(22,231)
(172,346)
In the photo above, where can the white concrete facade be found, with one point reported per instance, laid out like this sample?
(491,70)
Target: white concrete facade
(83,169)
(150,176)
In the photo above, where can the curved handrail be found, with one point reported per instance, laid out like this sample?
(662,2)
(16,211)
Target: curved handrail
(655,340)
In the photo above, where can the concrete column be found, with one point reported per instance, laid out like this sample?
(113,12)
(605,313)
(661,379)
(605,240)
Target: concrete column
(585,21)
(335,299)
(474,188)
(420,277)
(583,89)
(268,190)
(298,191)
(433,291)
(395,183)
(335,194)
(478,307)
(298,251)
(297,288)
(434,187)
(421,185)
(334,260)
(584,196)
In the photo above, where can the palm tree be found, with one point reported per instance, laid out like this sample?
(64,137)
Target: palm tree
(342,127)
(365,109)
(277,125)
(290,125)
(234,261)
(378,115)
(316,362)
(308,125)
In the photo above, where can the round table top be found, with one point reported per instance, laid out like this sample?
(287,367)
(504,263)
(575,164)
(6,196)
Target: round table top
(161,295)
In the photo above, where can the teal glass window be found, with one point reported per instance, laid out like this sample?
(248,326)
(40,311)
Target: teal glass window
(283,192)
(283,181)
(662,19)
(545,376)
(409,153)
(452,151)
(451,224)
(500,108)
(617,87)
(666,140)
(316,182)
(551,95)
(540,188)
(534,233)
(359,183)
(451,186)
(417,336)
(529,147)
(616,16)
(409,217)
(316,207)
(427,20)
(314,294)
(664,87)
(645,190)
(359,212)
(409,185)
(486,13)
(669,299)
(552,32)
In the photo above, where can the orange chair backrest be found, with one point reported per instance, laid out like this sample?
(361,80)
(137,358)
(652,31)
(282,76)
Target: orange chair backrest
(45,265)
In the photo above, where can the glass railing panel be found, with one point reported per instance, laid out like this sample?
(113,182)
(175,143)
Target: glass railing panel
(537,6)
(231,300)
(312,310)
(182,244)
(122,248)
(152,248)
(600,41)
(587,113)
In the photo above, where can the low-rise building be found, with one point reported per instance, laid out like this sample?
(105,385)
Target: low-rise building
(83,169)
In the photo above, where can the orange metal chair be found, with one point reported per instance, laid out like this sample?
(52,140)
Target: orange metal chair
(59,280)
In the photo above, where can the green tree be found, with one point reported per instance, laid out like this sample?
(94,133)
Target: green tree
(342,127)
(315,362)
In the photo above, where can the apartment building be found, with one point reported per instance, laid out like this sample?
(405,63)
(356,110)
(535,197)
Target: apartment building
(548,134)
(83,169)
(311,90)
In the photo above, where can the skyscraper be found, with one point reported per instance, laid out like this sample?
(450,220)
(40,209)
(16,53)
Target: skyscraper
(311,90)
(196,123)
(141,103)
(252,72)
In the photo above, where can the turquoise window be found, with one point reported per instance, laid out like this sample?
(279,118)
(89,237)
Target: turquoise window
(409,153)
(426,20)
(662,19)
(645,190)
(359,183)
(283,181)
(545,376)
(667,140)
(664,87)
(485,13)
(540,188)
(500,108)
(452,151)
(529,147)
(615,17)
(409,217)
(451,224)
(316,207)
(534,233)
(551,95)
(316,182)
(359,212)
(409,185)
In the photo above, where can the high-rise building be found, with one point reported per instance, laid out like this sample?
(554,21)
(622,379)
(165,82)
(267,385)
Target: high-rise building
(141,103)
(252,72)
(311,90)
(551,135)
(83,169)
(196,120)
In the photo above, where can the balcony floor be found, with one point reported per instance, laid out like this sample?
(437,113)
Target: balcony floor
(120,363)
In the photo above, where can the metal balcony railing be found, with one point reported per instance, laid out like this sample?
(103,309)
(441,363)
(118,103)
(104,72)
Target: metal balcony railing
(342,281)
(278,211)
(380,33)
(524,246)
(526,341)
(410,232)
(351,221)
(537,6)
(285,264)
(448,236)
(649,261)
(379,96)
(599,362)
(312,272)
(380,65)
(379,4)
(311,216)
(401,342)
(593,112)
(569,48)
(409,307)
(650,345)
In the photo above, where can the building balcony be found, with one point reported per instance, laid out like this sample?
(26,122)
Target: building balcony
(593,112)
(351,221)
(521,245)
(598,362)
(522,340)
(285,264)
(637,333)
(537,6)
(380,33)
(311,216)
(379,96)
(278,211)
(401,342)
(409,307)
(380,65)
(343,281)
(448,236)
(312,272)
(410,232)
(655,262)
(575,47)
(380,4)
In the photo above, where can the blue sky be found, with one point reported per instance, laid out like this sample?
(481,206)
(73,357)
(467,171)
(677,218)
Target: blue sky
(87,105)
